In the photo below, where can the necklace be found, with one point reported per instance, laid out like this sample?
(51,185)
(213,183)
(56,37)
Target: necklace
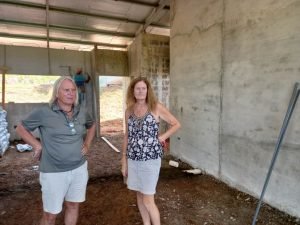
(61,108)
(68,111)
(140,120)
(70,123)
(68,114)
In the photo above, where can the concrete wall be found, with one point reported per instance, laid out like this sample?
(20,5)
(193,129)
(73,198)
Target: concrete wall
(196,46)
(149,56)
(134,57)
(112,63)
(29,60)
(17,112)
(233,68)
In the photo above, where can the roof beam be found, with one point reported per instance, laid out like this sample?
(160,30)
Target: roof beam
(75,12)
(69,28)
(62,40)
(167,7)
(155,12)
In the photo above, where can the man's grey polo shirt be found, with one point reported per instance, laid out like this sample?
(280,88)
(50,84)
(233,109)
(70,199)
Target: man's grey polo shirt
(61,148)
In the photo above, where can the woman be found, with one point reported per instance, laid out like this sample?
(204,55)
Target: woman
(143,145)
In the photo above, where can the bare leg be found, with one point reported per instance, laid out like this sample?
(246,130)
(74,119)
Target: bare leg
(48,219)
(71,213)
(143,210)
(152,209)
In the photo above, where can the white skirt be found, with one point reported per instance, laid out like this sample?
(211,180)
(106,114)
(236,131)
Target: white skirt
(143,175)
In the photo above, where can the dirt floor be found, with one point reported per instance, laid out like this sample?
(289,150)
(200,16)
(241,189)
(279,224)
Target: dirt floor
(183,199)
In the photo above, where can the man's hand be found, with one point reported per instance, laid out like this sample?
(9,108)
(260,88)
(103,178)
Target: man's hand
(37,152)
(84,149)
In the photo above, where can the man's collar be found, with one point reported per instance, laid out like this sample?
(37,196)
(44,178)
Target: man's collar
(55,107)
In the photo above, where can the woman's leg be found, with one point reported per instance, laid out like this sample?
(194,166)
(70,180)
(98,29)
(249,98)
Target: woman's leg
(153,212)
(143,210)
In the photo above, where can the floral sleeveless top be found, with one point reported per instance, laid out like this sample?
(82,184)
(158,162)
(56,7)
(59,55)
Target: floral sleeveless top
(143,143)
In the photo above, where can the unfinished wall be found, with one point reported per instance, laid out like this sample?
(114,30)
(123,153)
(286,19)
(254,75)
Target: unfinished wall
(28,60)
(149,57)
(134,57)
(233,68)
(196,46)
(111,63)
(16,113)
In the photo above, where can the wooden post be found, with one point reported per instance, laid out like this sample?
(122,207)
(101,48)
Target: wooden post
(3,69)
(3,90)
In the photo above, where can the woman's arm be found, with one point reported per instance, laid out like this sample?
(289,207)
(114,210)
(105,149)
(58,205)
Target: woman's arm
(173,123)
(31,140)
(125,143)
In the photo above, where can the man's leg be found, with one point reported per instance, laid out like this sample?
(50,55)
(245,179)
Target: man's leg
(71,213)
(75,194)
(53,191)
(48,219)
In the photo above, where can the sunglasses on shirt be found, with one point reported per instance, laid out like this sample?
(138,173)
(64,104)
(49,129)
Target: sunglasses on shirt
(71,125)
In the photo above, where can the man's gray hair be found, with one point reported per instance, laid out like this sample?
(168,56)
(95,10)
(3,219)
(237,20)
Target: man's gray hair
(56,87)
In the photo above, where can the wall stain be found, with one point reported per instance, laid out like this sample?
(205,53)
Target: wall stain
(283,59)
(195,108)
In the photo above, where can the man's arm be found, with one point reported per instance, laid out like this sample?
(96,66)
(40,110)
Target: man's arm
(30,139)
(90,134)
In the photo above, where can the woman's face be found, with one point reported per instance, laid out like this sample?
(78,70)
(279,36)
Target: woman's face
(140,90)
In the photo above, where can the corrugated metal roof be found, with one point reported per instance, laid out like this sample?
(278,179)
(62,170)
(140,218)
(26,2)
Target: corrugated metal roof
(81,24)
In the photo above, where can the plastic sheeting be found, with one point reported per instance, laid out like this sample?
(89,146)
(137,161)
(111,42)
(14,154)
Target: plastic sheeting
(4,135)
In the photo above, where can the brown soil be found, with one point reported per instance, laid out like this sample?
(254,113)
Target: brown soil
(183,199)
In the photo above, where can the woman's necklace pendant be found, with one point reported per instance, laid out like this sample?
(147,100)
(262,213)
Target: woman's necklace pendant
(140,123)
(140,119)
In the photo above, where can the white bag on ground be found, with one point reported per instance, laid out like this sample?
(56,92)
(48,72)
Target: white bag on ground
(23,147)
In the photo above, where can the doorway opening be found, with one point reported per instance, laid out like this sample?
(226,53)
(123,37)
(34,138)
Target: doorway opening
(112,103)
(27,88)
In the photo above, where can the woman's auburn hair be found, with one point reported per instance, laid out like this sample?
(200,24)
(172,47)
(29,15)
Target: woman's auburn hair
(150,98)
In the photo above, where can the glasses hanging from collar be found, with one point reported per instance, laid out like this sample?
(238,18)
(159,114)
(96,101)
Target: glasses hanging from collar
(71,125)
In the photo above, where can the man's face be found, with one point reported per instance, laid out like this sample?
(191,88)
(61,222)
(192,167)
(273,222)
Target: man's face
(66,93)
(140,90)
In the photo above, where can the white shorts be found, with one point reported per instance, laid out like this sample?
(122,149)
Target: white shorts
(63,186)
(143,175)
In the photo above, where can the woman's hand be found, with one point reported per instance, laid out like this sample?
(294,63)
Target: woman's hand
(161,139)
(163,143)
(124,168)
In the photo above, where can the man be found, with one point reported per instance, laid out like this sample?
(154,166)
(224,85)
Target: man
(80,80)
(61,150)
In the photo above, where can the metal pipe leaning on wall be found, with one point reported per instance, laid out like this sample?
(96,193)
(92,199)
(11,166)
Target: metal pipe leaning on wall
(286,120)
